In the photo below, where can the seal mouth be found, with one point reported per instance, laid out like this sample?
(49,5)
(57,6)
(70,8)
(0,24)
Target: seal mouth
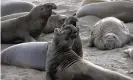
(71,31)
(110,45)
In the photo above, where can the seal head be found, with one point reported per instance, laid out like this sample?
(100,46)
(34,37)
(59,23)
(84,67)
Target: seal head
(110,41)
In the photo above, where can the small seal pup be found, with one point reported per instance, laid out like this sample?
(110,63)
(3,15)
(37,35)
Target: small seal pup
(110,33)
(26,27)
(33,54)
(62,63)
(10,7)
(129,51)
(122,10)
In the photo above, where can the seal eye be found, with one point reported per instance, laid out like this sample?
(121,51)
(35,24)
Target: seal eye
(114,37)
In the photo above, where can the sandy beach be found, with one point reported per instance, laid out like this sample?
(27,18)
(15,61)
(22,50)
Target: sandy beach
(114,59)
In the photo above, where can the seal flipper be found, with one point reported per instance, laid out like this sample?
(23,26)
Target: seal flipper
(130,38)
(26,37)
(91,41)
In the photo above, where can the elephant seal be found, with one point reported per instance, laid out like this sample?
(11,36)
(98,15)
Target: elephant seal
(129,51)
(27,27)
(110,33)
(84,2)
(33,54)
(10,7)
(27,55)
(62,63)
(53,22)
(15,15)
(122,10)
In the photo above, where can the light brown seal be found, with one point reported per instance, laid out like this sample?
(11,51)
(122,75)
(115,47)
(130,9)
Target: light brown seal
(110,33)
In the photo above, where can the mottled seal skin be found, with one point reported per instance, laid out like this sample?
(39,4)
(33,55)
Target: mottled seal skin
(10,7)
(122,10)
(62,63)
(84,2)
(110,33)
(27,27)
(15,15)
(55,21)
(28,54)
(129,51)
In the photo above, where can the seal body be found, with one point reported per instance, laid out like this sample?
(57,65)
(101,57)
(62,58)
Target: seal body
(84,2)
(28,54)
(27,27)
(63,64)
(55,21)
(10,7)
(110,33)
(15,15)
(122,10)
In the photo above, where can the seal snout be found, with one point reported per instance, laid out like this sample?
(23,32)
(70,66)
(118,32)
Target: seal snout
(73,31)
(110,41)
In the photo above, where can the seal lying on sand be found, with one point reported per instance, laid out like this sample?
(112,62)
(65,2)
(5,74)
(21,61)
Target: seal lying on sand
(10,7)
(62,63)
(110,33)
(129,52)
(27,26)
(84,2)
(33,54)
(122,10)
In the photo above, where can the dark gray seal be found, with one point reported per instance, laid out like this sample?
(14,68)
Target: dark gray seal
(122,10)
(33,54)
(27,27)
(10,7)
(54,21)
(62,63)
(110,33)
(15,15)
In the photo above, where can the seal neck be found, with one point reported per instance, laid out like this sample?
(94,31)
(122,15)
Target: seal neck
(59,57)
